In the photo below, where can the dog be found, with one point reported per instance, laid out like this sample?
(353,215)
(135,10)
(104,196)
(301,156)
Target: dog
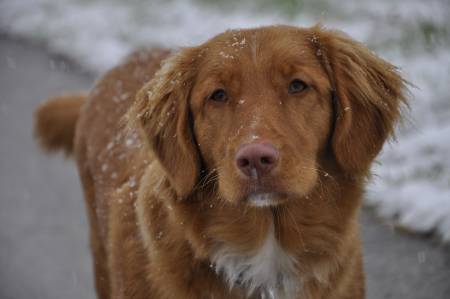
(233,169)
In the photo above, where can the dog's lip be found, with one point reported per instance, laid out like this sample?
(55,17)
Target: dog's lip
(266,199)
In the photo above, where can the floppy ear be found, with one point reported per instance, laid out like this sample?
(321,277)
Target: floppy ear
(369,93)
(162,110)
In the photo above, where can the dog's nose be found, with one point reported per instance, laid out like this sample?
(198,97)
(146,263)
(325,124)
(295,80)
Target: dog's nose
(256,159)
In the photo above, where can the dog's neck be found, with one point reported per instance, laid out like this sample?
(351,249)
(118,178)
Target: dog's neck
(275,266)
(269,272)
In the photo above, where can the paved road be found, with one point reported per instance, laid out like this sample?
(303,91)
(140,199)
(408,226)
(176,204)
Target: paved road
(43,232)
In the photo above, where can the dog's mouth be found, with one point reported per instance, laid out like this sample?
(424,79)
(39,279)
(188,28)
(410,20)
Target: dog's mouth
(266,199)
(265,194)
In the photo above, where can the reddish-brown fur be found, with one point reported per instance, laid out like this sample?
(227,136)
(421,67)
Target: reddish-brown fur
(56,120)
(158,168)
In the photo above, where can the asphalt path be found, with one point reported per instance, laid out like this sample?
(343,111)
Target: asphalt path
(44,249)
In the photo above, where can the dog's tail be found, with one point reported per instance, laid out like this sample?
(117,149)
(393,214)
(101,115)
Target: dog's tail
(55,122)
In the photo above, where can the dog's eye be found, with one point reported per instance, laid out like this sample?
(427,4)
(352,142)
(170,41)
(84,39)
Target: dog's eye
(297,86)
(219,95)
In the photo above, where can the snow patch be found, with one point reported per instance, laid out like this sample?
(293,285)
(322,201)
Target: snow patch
(413,184)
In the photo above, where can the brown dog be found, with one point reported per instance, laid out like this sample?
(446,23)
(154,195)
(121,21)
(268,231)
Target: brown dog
(234,171)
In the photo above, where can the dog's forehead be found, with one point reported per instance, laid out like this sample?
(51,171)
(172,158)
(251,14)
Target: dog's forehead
(257,50)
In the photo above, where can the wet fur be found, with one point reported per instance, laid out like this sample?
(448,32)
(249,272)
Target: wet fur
(168,217)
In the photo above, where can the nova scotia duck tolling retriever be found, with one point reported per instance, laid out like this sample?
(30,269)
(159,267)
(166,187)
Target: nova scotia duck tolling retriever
(233,169)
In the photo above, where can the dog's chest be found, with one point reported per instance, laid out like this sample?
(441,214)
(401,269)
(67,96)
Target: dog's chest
(269,273)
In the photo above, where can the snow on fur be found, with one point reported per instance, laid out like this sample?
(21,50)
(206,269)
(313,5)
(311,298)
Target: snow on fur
(412,186)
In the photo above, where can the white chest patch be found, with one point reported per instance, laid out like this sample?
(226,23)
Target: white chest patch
(270,273)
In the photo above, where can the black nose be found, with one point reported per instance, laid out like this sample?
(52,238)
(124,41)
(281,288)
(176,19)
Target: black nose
(256,159)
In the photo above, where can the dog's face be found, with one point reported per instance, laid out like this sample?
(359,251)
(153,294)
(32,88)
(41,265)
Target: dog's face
(254,110)
(271,117)
(262,115)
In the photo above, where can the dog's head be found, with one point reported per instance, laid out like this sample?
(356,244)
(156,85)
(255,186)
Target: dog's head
(263,114)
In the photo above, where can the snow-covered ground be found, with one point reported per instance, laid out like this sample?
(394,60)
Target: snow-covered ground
(412,182)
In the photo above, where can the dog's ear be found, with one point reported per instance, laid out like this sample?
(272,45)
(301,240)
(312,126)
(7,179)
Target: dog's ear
(162,110)
(368,94)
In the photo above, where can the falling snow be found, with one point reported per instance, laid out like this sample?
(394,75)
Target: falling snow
(414,169)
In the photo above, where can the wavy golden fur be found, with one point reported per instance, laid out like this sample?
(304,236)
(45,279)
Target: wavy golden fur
(169,210)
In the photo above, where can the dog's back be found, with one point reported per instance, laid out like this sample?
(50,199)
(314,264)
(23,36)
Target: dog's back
(90,126)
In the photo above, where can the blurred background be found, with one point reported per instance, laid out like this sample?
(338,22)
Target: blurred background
(48,47)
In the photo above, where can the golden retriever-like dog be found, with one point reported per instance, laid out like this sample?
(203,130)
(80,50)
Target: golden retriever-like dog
(234,170)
